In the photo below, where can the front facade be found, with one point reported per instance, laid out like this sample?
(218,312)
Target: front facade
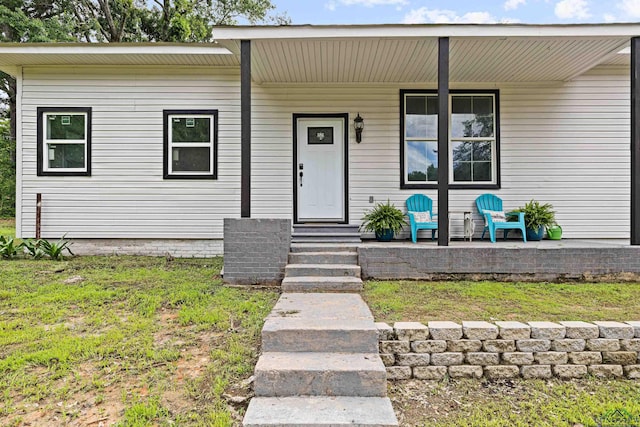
(147,146)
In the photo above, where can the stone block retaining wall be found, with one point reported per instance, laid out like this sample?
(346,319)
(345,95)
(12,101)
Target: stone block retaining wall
(510,349)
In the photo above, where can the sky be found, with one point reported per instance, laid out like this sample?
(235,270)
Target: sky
(459,11)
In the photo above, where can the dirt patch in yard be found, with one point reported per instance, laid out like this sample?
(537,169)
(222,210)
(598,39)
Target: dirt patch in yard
(97,393)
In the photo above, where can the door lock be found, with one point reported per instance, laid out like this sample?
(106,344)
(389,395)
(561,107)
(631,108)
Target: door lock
(300,167)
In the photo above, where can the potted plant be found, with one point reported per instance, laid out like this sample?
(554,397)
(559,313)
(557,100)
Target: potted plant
(385,220)
(537,217)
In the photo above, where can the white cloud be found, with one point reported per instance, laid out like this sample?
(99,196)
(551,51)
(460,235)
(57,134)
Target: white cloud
(572,9)
(630,7)
(330,6)
(513,4)
(371,3)
(441,16)
(609,17)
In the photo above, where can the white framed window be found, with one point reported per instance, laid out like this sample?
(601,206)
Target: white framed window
(473,139)
(421,138)
(64,141)
(190,144)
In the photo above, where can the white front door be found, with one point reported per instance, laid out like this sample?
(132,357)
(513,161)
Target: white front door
(320,170)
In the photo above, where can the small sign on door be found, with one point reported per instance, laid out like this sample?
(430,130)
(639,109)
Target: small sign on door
(320,135)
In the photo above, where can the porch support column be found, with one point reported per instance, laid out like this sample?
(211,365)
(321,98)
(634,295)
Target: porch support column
(245,128)
(635,140)
(443,141)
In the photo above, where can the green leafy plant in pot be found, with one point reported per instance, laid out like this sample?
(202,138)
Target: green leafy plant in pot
(385,220)
(537,217)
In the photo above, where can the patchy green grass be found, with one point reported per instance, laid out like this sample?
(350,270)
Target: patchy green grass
(7,227)
(519,403)
(135,341)
(393,301)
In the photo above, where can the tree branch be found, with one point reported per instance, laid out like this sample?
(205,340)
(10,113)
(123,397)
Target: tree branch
(106,10)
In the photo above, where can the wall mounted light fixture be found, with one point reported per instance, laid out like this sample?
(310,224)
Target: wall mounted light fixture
(358,124)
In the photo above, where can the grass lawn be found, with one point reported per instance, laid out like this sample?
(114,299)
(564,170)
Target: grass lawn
(423,301)
(549,403)
(7,227)
(133,341)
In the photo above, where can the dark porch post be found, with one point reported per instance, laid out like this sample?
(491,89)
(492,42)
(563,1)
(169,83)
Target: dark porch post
(245,128)
(635,140)
(443,141)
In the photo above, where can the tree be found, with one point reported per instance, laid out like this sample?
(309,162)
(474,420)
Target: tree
(165,20)
(7,171)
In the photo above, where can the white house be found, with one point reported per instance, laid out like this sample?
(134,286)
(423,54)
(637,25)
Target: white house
(152,145)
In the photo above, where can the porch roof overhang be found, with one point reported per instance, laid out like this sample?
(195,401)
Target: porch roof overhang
(408,53)
(13,55)
(493,53)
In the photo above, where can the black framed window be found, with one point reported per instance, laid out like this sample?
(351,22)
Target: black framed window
(64,141)
(190,144)
(474,142)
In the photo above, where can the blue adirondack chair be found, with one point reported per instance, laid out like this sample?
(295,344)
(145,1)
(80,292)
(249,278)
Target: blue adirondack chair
(491,202)
(421,203)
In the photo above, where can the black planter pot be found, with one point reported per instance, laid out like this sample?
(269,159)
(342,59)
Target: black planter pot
(535,235)
(384,235)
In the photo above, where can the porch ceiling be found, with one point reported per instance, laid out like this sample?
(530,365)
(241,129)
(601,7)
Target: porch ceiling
(414,60)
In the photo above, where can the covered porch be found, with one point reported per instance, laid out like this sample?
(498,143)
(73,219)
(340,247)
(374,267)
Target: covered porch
(562,137)
(564,111)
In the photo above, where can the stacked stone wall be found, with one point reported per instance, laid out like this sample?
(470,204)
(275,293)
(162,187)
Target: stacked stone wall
(510,349)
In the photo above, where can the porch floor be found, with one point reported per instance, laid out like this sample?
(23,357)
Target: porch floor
(506,244)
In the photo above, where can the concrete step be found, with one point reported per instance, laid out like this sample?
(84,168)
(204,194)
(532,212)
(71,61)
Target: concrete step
(320,411)
(320,374)
(314,335)
(314,322)
(324,247)
(325,238)
(321,306)
(322,270)
(322,284)
(325,228)
(323,258)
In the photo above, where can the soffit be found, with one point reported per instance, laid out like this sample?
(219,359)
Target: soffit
(53,54)
(413,60)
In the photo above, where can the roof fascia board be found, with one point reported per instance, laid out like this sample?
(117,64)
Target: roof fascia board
(423,31)
(110,49)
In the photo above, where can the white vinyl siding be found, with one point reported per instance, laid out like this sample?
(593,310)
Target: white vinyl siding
(126,196)
(562,143)
(566,144)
